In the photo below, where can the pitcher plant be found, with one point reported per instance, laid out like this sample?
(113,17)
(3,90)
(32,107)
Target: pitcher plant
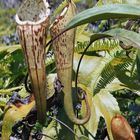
(32,21)
(63,47)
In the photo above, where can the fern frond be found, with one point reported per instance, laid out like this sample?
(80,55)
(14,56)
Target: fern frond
(129,80)
(117,64)
(99,45)
(107,76)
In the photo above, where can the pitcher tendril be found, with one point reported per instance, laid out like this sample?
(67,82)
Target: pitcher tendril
(63,46)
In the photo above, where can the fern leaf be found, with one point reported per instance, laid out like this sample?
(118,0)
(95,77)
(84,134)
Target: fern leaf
(108,73)
(130,81)
(99,45)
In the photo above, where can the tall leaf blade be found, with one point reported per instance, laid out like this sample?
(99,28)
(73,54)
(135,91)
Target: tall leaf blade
(108,106)
(105,12)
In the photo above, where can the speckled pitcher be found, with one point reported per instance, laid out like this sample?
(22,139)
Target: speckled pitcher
(32,21)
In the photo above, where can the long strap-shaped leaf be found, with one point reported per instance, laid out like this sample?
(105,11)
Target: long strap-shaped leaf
(63,49)
(105,12)
(32,20)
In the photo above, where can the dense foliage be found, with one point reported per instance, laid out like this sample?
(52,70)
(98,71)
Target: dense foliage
(109,73)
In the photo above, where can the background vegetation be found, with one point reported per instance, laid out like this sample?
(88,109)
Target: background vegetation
(109,73)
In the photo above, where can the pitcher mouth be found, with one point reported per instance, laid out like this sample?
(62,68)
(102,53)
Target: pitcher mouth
(62,14)
(33,12)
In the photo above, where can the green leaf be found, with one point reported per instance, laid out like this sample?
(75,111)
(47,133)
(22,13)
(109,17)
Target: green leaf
(13,115)
(102,2)
(3,101)
(108,74)
(10,90)
(127,37)
(81,34)
(99,45)
(137,101)
(10,49)
(115,85)
(131,1)
(105,12)
(108,107)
